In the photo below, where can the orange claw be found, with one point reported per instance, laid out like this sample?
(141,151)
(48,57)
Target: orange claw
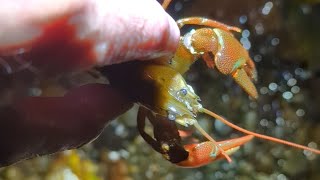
(206,152)
(233,59)
(219,48)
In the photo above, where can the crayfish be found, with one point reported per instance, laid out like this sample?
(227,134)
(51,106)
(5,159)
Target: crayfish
(165,99)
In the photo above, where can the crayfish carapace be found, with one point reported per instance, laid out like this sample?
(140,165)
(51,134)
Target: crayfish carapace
(166,99)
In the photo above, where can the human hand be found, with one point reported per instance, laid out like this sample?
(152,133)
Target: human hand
(55,37)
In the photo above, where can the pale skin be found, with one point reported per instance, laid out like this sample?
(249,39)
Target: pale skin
(117,31)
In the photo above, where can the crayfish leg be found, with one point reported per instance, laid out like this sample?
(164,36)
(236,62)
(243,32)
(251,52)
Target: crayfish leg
(206,22)
(166,3)
(166,136)
(142,115)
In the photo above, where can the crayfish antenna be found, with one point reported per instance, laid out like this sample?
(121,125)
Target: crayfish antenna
(261,136)
(205,134)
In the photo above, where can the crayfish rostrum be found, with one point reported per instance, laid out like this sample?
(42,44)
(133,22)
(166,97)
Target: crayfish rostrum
(166,99)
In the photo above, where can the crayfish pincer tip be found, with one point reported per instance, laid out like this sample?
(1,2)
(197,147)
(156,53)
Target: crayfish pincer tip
(234,143)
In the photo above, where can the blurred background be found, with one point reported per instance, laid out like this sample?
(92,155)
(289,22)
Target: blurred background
(282,38)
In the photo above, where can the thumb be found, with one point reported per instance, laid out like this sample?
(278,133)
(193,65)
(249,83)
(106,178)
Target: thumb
(76,35)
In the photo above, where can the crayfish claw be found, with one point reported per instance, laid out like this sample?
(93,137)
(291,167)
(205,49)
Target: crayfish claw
(206,152)
(242,78)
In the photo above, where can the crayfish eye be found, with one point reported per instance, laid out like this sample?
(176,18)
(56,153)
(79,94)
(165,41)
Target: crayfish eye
(182,92)
(171,116)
